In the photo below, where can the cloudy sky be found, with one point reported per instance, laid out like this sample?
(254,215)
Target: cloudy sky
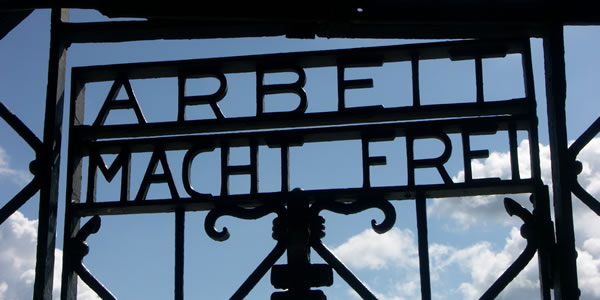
(472,239)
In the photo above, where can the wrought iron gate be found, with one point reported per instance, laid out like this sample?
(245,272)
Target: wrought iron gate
(298,228)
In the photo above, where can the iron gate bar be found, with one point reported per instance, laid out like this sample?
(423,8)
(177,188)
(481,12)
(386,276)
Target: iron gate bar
(380,19)
(457,50)
(21,129)
(454,12)
(9,20)
(360,288)
(515,106)
(72,194)
(128,31)
(80,250)
(261,270)
(416,91)
(423,242)
(36,145)
(306,135)
(179,252)
(528,232)
(50,158)
(340,195)
(577,167)
(565,267)
(540,198)
(545,238)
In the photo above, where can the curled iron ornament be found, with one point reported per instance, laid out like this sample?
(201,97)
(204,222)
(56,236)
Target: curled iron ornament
(528,232)
(315,222)
(234,211)
(362,204)
(79,242)
(81,249)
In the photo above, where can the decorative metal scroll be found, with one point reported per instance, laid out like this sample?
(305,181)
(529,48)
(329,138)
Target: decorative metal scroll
(298,227)
(529,233)
(81,250)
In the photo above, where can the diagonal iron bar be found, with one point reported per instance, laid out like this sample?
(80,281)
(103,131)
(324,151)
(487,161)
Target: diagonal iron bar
(528,232)
(22,129)
(260,271)
(19,199)
(342,270)
(574,150)
(32,187)
(82,249)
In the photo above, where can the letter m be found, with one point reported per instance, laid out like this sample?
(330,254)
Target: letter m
(122,162)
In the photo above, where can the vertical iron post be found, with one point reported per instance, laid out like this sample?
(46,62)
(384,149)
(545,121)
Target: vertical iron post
(73,191)
(179,251)
(50,160)
(540,199)
(565,268)
(421,206)
(298,251)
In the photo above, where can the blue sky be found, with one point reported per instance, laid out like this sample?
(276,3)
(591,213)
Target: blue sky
(472,240)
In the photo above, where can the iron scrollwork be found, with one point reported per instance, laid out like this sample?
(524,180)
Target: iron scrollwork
(234,211)
(297,228)
(529,233)
(81,249)
(361,205)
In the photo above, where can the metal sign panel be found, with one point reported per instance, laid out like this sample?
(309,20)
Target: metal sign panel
(284,129)
(298,210)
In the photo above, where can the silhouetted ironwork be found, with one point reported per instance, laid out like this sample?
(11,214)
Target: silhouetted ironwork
(528,232)
(80,250)
(298,227)
(34,185)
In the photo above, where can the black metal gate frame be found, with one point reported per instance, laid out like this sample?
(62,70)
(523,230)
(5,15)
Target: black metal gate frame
(560,274)
(296,224)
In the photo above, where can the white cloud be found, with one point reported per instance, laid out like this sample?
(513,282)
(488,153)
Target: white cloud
(369,250)
(467,211)
(17,257)
(409,288)
(483,265)
(19,177)
(18,240)
(480,261)
(395,249)
(588,267)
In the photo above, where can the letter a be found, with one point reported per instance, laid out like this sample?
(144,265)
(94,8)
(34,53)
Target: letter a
(150,177)
(110,102)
